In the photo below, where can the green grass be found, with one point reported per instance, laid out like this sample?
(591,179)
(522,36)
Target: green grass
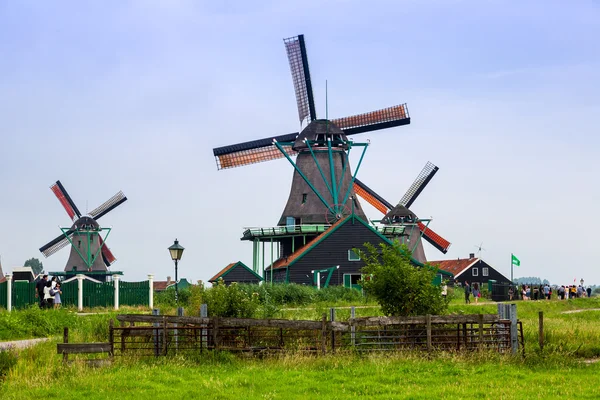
(558,370)
(39,374)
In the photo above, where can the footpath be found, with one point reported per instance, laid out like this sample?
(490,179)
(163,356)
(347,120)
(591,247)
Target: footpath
(20,344)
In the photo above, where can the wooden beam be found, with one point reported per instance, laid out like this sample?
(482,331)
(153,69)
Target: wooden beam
(75,348)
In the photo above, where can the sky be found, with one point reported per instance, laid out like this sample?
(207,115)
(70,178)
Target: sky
(134,95)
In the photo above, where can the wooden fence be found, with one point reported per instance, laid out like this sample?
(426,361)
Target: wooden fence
(155,335)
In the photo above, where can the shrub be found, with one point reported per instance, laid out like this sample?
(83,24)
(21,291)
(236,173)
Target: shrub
(230,301)
(400,288)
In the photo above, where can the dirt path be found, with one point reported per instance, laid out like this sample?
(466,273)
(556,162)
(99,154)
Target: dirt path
(582,310)
(20,344)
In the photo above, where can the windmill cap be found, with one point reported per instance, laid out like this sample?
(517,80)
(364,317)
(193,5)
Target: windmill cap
(319,129)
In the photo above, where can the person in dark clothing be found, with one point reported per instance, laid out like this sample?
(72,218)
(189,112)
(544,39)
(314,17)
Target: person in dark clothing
(39,290)
(467,293)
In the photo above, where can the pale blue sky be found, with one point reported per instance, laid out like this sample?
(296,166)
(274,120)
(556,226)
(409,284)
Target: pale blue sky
(110,95)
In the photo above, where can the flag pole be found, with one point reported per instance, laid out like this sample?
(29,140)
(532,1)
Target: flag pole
(511,268)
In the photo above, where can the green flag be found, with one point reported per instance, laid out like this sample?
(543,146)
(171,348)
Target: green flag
(515,260)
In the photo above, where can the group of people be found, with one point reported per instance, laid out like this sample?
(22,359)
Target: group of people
(48,292)
(545,292)
(475,290)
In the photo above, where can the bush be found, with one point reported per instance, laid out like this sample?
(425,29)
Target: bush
(400,288)
(230,301)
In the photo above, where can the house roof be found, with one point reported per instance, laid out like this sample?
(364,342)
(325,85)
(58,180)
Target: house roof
(231,267)
(161,285)
(285,262)
(455,267)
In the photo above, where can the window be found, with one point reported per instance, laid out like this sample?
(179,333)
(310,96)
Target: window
(79,243)
(475,272)
(290,221)
(352,256)
(484,271)
(304,196)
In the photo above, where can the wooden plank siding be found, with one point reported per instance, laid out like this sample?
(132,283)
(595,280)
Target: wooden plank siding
(332,251)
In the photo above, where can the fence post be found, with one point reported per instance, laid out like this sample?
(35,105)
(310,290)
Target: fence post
(352,327)
(514,334)
(541,330)
(480,332)
(155,336)
(332,318)
(79,292)
(111,336)
(151,291)
(8,292)
(324,334)
(65,340)
(116,285)
(203,332)
(428,320)
(215,333)
(165,337)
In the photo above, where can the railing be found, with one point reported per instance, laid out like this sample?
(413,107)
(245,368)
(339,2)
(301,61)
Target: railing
(284,230)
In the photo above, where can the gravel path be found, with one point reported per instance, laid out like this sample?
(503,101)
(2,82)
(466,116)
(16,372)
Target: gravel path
(582,310)
(20,344)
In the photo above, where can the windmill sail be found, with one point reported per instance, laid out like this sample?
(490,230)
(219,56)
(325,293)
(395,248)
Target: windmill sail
(296,52)
(374,120)
(252,152)
(61,194)
(426,174)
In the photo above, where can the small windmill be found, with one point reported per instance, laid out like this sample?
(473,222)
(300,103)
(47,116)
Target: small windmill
(88,248)
(479,249)
(401,213)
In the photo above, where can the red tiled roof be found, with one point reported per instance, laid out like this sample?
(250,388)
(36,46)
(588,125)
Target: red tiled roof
(218,275)
(162,285)
(455,267)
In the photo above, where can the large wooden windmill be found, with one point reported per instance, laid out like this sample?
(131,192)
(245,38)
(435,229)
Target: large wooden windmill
(89,252)
(324,186)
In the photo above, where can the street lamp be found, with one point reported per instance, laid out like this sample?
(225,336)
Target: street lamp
(176,251)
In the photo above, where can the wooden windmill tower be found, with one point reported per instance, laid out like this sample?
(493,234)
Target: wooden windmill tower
(89,252)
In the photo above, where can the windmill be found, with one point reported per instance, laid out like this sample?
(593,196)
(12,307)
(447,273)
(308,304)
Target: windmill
(479,248)
(89,252)
(321,189)
(401,213)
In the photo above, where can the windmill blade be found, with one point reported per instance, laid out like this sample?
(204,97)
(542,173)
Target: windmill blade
(107,255)
(296,52)
(109,205)
(375,120)
(426,174)
(434,239)
(371,197)
(61,194)
(252,152)
(384,207)
(58,243)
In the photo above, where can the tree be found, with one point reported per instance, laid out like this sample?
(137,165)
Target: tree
(36,265)
(401,289)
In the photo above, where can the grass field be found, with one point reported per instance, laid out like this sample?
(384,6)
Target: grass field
(565,367)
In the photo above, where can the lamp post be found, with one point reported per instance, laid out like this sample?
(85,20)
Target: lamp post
(176,251)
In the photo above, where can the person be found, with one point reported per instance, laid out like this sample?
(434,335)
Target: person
(39,290)
(546,292)
(467,293)
(445,290)
(511,293)
(561,292)
(56,292)
(48,298)
(476,292)
(589,291)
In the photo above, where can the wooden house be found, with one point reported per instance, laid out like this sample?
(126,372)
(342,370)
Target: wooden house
(472,269)
(236,272)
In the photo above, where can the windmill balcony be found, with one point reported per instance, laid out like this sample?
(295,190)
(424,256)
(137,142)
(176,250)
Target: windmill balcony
(283,231)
